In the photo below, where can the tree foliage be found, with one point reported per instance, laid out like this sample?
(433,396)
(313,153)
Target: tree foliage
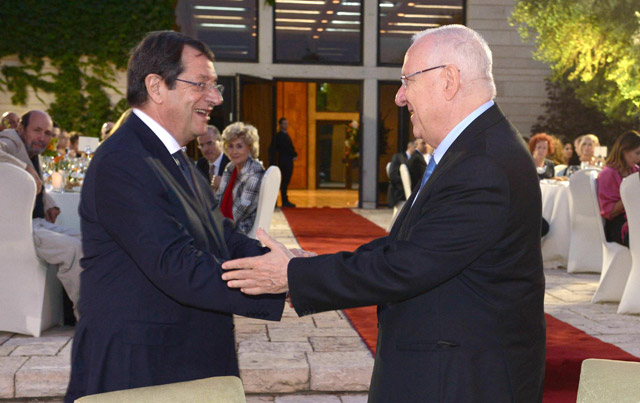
(86,42)
(594,44)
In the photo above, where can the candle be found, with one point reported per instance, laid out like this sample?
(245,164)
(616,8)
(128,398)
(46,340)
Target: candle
(56,181)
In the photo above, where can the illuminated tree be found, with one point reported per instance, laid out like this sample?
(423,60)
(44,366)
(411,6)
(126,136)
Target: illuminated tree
(593,44)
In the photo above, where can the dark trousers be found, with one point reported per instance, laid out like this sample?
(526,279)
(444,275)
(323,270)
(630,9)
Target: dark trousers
(613,230)
(286,168)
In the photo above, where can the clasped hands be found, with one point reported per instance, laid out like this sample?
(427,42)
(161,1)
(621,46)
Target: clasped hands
(266,274)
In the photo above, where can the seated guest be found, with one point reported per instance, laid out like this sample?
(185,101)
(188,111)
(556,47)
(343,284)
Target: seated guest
(214,161)
(622,162)
(586,148)
(72,150)
(105,130)
(63,143)
(418,162)
(567,152)
(540,146)
(240,184)
(9,120)
(54,244)
(396,189)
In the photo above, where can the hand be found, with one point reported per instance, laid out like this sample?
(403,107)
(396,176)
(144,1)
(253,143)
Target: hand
(51,214)
(36,177)
(302,253)
(266,274)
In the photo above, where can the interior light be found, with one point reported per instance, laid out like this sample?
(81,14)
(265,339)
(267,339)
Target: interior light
(293,28)
(278,11)
(348,13)
(212,25)
(310,2)
(303,21)
(386,4)
(324,21)
(315,37)
(413,24)
(216,8)
(320,29)
(425,16)
(217,17)
(350,3)
(342,30)
(437,6)
(401,32)
(342,22)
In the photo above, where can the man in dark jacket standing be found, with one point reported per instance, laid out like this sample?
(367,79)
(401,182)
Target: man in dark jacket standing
(282,154)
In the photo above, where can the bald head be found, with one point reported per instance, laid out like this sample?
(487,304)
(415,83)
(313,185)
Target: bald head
(35,130)
(9,120)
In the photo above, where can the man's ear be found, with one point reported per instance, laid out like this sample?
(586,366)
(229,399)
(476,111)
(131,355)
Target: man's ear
(20,129)
(155,88)
(452,81)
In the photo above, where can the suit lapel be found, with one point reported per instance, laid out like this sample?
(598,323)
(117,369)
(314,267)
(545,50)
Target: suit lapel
(457,150)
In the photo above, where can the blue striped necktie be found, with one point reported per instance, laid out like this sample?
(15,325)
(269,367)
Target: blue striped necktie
(427,172)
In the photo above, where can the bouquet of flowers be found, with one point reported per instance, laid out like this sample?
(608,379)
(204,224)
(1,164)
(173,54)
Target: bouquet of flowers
(351,143)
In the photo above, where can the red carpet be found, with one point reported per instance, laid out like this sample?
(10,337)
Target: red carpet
(328,230)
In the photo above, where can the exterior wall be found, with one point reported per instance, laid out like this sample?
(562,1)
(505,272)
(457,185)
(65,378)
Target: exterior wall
(519,79)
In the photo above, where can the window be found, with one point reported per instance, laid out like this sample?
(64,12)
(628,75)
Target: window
(229,27)
(318,32)
(398,21)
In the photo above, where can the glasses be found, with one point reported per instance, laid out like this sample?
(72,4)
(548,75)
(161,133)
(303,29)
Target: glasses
(204,86)
(403,78)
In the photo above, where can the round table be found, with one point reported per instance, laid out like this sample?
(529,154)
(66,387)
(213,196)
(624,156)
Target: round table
(557,211)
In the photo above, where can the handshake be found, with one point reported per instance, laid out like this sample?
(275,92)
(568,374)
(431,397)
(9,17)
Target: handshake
(266,274)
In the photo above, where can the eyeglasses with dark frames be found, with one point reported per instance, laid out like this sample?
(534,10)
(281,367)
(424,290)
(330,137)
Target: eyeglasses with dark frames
(205,86)
(404,77)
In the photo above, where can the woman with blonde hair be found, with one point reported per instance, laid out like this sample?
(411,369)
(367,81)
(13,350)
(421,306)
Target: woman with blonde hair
(240,184)
(622,162)
(587,144)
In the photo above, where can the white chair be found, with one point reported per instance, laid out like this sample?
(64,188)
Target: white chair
(609,381)
(558,168)
(30,293)
(630,193)
(585,250)
(218,389)
(267,198)
(616,259)
(406,186)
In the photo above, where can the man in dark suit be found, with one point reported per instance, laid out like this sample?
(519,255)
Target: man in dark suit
(396,190)
(154,308)
(213,162)
(417,163)
(282,154)
(458,281)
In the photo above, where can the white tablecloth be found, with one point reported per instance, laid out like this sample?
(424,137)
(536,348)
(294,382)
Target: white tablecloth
(556,210)
(68,203)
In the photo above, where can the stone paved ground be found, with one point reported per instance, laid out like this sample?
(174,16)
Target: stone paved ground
(314,359)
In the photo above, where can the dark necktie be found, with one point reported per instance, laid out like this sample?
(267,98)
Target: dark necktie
(182,164)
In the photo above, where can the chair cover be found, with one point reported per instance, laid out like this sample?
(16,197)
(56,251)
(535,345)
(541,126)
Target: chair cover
(616,259)
(558,168)
(630,192)
(219,389)
(267,198)
(585,250)
(30,293)
(609,381)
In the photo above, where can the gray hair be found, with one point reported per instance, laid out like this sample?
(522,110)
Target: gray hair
(465,48)
(214,130)
(246,132)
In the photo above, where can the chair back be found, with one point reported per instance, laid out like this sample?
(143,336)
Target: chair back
(558,168)
(608,381)
(406,180)
(269,187)
(30,294)
(587,231)
(219,389)
(388,169)
(630,194)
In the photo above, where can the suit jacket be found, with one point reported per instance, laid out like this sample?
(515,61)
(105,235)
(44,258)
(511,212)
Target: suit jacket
(203,166)
(458,281)
(154,308)
(13,151)
(396,190)
(281,151)
(246,190)
(417,166)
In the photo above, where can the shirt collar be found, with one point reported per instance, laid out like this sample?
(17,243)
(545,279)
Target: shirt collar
(167,139)
(456,131)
